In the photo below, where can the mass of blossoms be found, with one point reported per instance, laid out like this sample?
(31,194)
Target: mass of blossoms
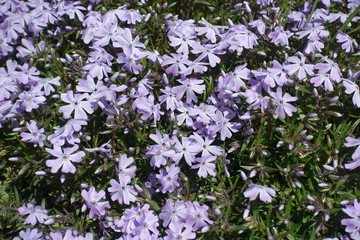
(169,120)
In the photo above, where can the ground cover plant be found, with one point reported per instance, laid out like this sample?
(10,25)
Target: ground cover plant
(179,119)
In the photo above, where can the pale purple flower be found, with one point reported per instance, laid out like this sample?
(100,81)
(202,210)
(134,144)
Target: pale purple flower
(348,43)
(131,60)
(31,100)
(182,39)
(66,133)
(197,216)
(97,69)
(122,168)
(206,166)
(259,25)
(92,201)
(352,224)
(45,84)
(189,86)
(158,155)
(350,142)
(168,178)
(173,212)
(76,104)
(27,74)
(131,16)
(30,234)
(177,62)
(223,125)
(100,55)
(148,108)
(264,192)
(210,31)
(121,191)
(35,136)
(195,66)
(176,232)
(353,88)
(323,78)
(313,46)
(329,66)
(172,102)
(36,214)
(283,107)
(298,65)
(183,150)
(203,145)
(279,36)
(64,159)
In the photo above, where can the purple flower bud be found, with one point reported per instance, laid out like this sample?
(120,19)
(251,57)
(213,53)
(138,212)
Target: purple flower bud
(50,221)
(40,173)
(310,207)
(217,212)
(279,144)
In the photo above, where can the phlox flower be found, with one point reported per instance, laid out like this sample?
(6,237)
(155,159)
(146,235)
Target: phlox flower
(122,168)
(183,150)
(92,201)
(131,60)
(189,86)
(329,66)
(131,16)
(31,99)
(203,145)
(279,36)
(35,136)
(45,84)
(313,46)
(177,231)
(206,166)
(168,178)
(348,43)
(264,192)
(158,155)
(322,78)
(36,214)
(210,31)
(29,234)
(350,142)
(177,62)
(197,216)
(353,88)
(67,133)
(221,123)
(173,212)
(298,65)
(352,224)
(121,191)
(182,40)
(64,159)
(76,104)
(97,69)
(148,108)
(283,108)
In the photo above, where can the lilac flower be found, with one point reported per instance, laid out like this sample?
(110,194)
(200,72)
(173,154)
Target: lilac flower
(323,78)
(35,136)
(131,60)
(92,201)
(208,52)
(31,100)
(158,155)
(313,46)
(172,102)
(183,150)
(350,142)
(100,55)
(353,88)
(64,159)
(121,191)
(131,16)
(97,69)
(148,108)
(66,133)
(352,224)
(29,234)
(183,39)
(203,146)
(75,104)
(195,66)
(299,66)
(265,193)
(210,31)
(173,212)
(206,166)
(177,62)
(259,25)
(348,43)
(189,86)
(123,170)
(222,123)
(240,74)
(27,74)
(45,84)
(36,214)
(168,178)
(330,67)
(279,36)
(125,40)
(176,232)
(282,105)
(197,216)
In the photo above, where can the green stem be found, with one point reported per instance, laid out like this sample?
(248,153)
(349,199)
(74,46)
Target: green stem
(312,12)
